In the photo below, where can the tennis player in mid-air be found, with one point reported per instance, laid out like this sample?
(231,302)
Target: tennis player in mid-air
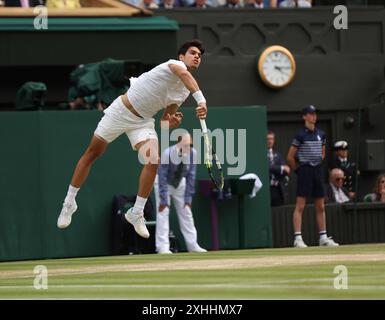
(166,86)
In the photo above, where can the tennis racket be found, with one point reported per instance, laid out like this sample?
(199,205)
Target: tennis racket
(211,160)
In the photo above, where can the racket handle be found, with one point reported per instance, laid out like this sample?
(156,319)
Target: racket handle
(203,125)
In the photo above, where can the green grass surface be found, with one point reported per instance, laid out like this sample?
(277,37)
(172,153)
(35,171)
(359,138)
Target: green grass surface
(287,273)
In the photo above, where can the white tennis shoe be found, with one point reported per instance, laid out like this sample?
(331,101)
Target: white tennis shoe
(328,242)
(66,213)
(138,221)
(197,249)
(164,252)
(299,243)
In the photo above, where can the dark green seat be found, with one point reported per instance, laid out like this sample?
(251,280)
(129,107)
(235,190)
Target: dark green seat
(98,82)
(31,96)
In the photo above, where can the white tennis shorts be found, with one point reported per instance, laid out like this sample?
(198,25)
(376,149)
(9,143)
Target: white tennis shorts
(118,119)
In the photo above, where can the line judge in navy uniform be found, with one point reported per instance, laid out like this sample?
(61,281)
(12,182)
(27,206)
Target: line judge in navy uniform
(305,157)
(176,180)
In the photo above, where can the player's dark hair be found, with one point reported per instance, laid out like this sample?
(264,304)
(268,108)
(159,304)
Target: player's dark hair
(193,43)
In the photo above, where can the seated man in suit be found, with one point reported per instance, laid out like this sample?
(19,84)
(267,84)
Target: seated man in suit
(335,192)
(341,160)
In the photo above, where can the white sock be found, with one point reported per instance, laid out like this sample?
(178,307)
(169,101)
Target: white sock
(71,194)
(298,236)
(139,205)
(323,235)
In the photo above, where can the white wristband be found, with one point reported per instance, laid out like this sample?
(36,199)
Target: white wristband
(198,96)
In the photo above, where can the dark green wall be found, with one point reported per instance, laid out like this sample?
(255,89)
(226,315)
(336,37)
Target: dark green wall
(36,166)
(38,157)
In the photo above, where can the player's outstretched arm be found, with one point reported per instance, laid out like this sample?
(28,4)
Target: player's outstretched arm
(186,77)
(192,85)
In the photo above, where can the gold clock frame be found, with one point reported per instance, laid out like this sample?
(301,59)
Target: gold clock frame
(262,58)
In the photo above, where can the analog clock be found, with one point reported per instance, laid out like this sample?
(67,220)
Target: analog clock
(276,66)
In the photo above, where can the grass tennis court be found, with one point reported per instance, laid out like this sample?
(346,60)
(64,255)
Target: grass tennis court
(287,273)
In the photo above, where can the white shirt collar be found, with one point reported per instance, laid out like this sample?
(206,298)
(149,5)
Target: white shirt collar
(339,194)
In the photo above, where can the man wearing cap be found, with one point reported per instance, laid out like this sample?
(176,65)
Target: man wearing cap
(342,162)
(305,157)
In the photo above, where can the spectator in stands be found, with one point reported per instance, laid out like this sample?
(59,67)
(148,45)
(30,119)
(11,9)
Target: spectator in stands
(23,3)
(341,161)
(278,172)
(378,194)
(136,3)
(63,4)
(209,3)
(149,4)
(305,157)
(86,103)
(200,4)
(176,181)
(335,192)
(295,4)
(232,4)
(168,4)
(260,4)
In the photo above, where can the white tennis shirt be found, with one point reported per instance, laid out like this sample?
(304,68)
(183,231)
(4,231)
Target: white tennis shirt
(156,89)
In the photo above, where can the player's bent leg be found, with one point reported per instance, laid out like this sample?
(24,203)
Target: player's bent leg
(96,148)
(149,153)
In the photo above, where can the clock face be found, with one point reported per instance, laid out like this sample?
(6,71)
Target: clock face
(276,67)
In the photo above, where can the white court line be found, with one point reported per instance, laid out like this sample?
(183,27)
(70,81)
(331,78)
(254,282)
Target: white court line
(202,286)
(206,264)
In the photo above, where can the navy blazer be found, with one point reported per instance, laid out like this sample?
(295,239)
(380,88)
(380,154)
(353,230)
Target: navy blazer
(330,197)
(350,171)
(275,167)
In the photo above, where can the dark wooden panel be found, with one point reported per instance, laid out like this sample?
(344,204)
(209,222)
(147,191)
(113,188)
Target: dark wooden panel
(364,223)
(335,68)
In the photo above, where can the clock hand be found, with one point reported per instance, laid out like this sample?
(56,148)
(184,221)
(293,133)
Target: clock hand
(283,67)
(279,69)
